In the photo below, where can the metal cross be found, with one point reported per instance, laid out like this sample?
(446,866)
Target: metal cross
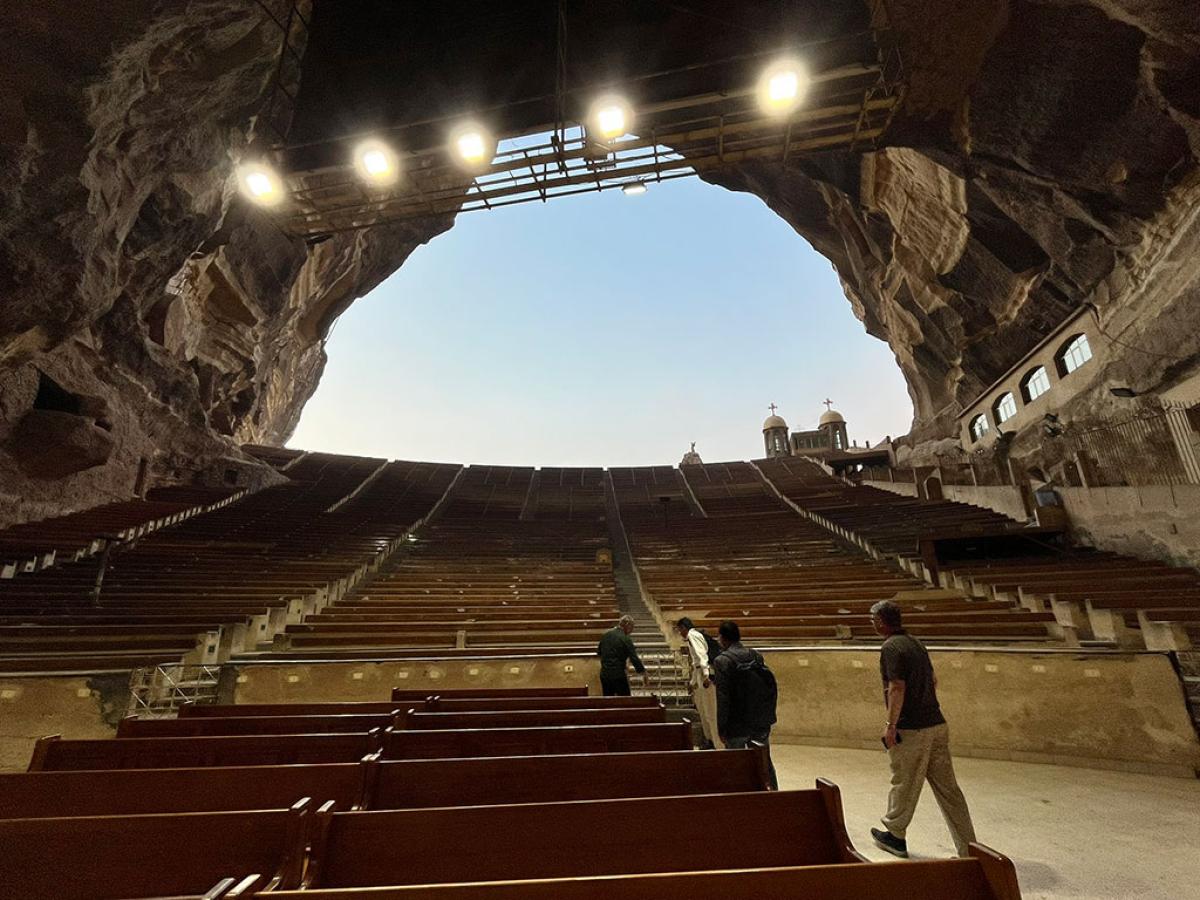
(828,404)
(772,408)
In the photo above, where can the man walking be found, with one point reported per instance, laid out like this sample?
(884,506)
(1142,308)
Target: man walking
(700,649)
(916,737)
(746,695)
(615,647)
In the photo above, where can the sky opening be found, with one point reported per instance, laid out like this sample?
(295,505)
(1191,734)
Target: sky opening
(602,330)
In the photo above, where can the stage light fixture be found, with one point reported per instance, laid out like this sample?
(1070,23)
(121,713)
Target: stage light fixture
(472,145)
(782,87)
(260,184)
(376,163)
(633,188)
(611,117)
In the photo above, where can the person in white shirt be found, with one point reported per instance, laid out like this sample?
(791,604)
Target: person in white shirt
(702,649)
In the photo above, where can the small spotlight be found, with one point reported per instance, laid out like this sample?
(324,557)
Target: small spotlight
(376,163)
(260,183)
(611,117)
(633,188)
(472,145)
(782,87)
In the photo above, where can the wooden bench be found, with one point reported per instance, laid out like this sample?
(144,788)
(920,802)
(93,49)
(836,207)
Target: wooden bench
(55,754)
(472,704)
(103,857)
(133,727)
(30,795)
(774,828)
(531,718)
(986,875)
(491,693)
(411,784)
(414,744)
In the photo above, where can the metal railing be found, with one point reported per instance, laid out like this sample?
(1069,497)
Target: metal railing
(159,691)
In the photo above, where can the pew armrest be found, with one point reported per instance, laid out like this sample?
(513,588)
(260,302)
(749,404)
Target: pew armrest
(998,871)
(832,795)
(41,751)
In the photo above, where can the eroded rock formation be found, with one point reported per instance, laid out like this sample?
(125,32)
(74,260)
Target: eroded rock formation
(1045,157)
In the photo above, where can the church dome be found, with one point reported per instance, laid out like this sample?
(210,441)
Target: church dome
(831,417)
(774,422)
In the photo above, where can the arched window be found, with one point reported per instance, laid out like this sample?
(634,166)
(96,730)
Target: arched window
(1004,408)
(1074,353)
(979,427)
(1035,383)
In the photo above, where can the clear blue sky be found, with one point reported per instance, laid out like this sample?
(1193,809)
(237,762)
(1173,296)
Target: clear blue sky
(602,329)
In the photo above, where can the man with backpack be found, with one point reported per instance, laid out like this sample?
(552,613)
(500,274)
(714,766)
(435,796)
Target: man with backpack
(746,694)
(702,649)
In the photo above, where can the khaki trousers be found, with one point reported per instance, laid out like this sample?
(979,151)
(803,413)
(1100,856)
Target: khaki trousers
(706,703)
(923,754)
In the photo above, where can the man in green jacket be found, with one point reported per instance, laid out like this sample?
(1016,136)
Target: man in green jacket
(615,647)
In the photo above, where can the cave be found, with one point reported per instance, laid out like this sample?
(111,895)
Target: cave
(1038,159)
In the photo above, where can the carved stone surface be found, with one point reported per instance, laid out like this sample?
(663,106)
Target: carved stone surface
(1045,157)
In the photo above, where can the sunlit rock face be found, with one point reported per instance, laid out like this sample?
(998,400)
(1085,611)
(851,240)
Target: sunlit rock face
(129,268)
(1045,156)
(1046,150)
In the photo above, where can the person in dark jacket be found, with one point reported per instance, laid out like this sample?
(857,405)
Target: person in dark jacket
(615,648)
(745,701)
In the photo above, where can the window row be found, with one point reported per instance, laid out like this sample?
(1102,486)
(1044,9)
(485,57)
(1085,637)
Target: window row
(1074,353)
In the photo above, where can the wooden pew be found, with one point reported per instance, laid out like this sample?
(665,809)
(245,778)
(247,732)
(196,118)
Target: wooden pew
(491,693)
(32,795)
(530,718)
(133,727)
(54,754)
(228,710)
(986,875)
(775,828)
(412,784)
(103,857)
(473,704)
(414,744)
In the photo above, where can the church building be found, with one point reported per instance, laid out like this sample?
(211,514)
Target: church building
(828,442)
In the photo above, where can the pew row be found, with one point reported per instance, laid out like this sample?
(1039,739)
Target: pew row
(492,693)
(382,784)
(114,857)
(526,718)
(133,727)
(435,703)
(476,742)
(774,828)
(985,875)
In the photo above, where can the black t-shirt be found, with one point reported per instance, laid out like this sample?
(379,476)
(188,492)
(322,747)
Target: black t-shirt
(903,658)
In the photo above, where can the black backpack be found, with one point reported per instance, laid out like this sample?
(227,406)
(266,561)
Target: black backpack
(714,649)
(755,687)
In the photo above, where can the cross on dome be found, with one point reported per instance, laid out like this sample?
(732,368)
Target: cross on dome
(828,403)
(772,408)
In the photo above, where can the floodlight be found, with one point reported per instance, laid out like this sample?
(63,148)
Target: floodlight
(260,183)
(633,188)
(1125,393)
(472,146)
(376,163)
(781,87)
(611,117)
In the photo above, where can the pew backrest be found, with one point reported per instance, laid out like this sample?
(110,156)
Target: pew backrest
(531,718)
(30,795)
(615,837)
(102,857)
(490,693)
(499,704)
(412,784)
(927,879)
(472,742)
(228,710)
(55,754)
(131,726)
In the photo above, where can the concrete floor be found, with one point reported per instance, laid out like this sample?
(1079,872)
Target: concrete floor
(1072,833)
